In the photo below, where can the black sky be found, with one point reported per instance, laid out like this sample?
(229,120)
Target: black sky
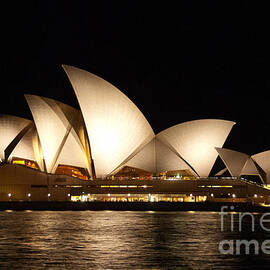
(194,60)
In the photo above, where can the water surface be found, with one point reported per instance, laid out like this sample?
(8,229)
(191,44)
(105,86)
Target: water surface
(121,240)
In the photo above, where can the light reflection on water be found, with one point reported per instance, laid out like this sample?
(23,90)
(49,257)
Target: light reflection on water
(119,240)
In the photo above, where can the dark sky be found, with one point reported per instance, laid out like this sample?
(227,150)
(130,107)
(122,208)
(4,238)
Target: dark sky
(203,59)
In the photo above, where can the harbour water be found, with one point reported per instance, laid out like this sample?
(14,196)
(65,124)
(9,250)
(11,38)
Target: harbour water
(124,240)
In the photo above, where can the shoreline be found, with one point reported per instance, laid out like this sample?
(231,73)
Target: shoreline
(132,206)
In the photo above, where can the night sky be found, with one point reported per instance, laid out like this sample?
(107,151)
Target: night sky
(195,60)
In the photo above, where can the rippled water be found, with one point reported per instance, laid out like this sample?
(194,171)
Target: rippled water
(120,240)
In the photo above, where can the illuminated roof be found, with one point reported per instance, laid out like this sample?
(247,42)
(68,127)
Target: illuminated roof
(233,160)
(115,126)
(157,157)
(221,172)
(144,159)
(12,127)
(252,168)
(195,142)
(263,159)
(24,149)
(167,160)
(249,168)
(72,153)
(240,164)
(59,141)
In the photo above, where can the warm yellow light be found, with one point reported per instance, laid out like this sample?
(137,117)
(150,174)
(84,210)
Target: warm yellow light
(75,198)
(221,186)
(20,162)
(215,186)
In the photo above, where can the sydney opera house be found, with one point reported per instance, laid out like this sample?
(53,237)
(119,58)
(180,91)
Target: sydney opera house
(107,151)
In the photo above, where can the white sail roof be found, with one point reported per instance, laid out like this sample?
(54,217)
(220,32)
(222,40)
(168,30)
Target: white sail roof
(167,160)
(10,127)
(195,141)
(115,126)
(219,173)
(24,149)
(250,168)
(145,159)
(263,160)
(72,152)
(56,134)
(233,160)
